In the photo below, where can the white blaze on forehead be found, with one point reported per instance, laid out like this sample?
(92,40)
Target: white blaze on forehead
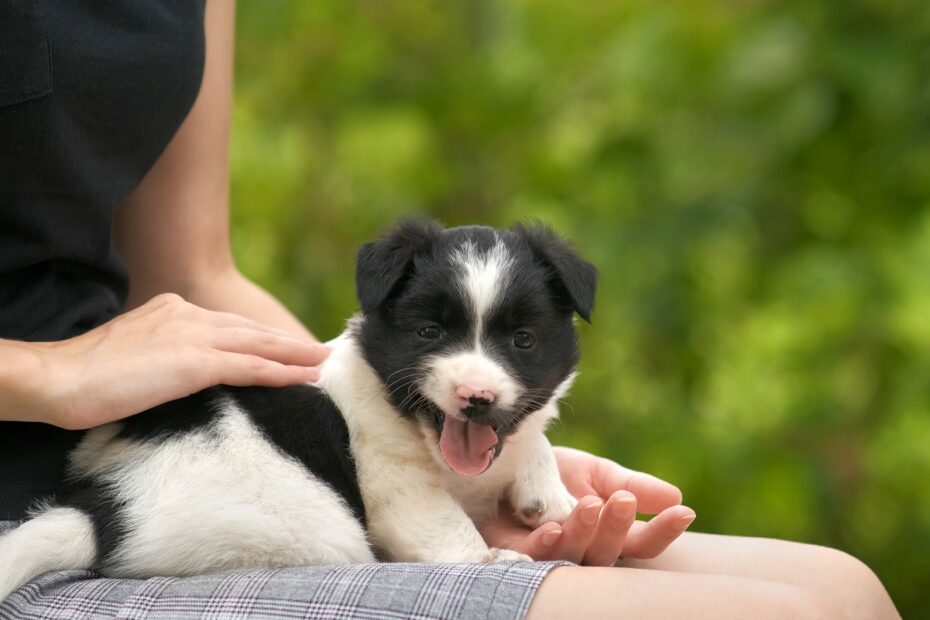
(483,275)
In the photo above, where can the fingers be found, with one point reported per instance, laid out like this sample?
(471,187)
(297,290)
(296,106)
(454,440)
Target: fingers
(282,348)
(540,544)
(174,306)
(652,494)
(595,533)
(242,370)
(231,333)
(615,532)
(646,540)
(607,542)
(229,319)
(585,474)
(577,530)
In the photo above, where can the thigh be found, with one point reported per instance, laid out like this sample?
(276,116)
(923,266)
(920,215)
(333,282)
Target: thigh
(589,592)
(763,558)
(847,584)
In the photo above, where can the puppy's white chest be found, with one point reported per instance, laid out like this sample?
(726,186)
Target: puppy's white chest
(480,496)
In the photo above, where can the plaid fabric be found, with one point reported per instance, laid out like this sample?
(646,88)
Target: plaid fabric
(366,591)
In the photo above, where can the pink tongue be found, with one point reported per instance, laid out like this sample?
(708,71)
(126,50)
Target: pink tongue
(466,446)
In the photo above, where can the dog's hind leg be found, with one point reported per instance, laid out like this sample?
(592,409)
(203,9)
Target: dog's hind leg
(57,539)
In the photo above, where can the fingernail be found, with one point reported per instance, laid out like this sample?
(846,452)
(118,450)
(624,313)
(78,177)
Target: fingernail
(688,520)
(590,513)
(619,508)
(550,538)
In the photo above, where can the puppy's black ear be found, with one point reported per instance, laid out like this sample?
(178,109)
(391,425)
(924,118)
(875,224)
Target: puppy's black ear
(572,277)
(384,265)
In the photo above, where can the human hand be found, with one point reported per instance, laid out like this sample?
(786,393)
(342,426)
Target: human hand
(165,349)
(603,525)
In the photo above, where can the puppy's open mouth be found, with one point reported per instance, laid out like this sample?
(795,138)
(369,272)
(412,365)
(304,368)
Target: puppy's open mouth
(466,447)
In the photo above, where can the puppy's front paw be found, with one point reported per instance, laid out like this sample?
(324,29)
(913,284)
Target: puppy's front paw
(534,509)
(507,555)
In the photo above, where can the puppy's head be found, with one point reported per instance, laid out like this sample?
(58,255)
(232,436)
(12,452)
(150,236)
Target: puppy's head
(471,329)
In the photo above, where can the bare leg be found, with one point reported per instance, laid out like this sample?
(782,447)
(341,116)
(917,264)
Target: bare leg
(848,587)
(708,576)
(628,593)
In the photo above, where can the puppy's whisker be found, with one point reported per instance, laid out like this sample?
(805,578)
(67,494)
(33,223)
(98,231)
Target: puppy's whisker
(402,381)
(406,368)
(405,380)
(401,378)
(402,386)
(410,397)
(417,399)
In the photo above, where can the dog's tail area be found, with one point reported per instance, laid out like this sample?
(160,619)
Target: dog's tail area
(57,539)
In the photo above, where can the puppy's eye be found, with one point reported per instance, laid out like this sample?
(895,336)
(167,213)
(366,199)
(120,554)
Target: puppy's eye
(523,340)
(430,332)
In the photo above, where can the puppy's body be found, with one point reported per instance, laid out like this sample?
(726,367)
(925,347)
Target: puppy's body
(429,411)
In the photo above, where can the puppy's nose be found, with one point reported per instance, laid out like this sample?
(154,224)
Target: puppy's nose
(471,397)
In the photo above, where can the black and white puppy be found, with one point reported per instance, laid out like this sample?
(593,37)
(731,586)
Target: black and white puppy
(429,411)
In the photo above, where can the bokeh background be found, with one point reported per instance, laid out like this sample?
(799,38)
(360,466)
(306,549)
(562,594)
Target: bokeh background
(752,179)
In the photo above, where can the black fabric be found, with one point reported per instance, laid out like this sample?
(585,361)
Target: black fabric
(90,95)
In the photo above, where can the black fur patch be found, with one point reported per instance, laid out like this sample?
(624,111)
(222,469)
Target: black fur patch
(177,417)
(100,503)
(301,421)
(104,510)
(305,423)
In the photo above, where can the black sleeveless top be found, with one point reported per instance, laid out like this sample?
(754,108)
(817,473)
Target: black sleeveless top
(90,95)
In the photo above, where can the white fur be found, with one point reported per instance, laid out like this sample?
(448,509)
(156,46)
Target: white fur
(483,276)
(536,492)
(418,509)
(225,498)
(472,368)
(59,539)
(410,516)
(561,390)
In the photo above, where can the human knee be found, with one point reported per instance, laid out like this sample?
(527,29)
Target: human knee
(854,588)
(855,570)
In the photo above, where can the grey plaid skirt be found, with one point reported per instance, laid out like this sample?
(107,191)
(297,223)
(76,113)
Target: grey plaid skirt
(369,591)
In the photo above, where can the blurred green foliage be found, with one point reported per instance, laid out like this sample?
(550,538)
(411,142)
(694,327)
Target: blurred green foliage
(752,179)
